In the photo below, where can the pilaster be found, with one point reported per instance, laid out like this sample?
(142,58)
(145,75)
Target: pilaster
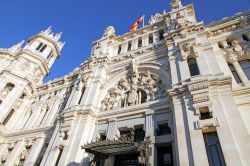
(35,151)
(14,153)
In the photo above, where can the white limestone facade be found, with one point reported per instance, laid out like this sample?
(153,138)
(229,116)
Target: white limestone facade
(175,92)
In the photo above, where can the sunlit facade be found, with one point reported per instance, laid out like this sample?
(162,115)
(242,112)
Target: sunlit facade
(173,93)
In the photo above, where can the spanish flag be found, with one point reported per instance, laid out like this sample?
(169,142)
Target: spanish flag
(136,24)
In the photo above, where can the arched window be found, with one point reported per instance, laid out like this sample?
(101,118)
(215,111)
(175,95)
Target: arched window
(245,37)
(245,65)
(193,67)
(39,46)
(43,48)
(235,74)
(6,120)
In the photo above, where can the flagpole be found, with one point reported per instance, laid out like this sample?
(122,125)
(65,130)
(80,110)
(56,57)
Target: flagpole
(143,20)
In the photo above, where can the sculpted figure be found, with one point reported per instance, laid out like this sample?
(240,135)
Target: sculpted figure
(236,46)
(133,96)
(110,31)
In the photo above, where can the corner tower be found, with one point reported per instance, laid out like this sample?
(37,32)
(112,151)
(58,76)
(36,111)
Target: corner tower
(22,69)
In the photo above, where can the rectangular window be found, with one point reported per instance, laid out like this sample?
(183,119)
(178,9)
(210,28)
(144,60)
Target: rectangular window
(213,148)
(193,67)
(103,136)
(235,74)
(59,156)
(119,49)
(245,65)
(150,39)
(161,34)
(163,129)
(165,156)
(129,46)
(204,113)
(140,42)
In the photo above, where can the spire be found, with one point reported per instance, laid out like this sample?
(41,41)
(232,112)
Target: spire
(175,4)
(17,47)
(58,36)
(48,30)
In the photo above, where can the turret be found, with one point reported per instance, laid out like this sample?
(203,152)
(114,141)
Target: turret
(22,70)
(47,45)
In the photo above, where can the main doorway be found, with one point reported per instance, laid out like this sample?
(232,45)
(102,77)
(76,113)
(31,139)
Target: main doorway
(127,160)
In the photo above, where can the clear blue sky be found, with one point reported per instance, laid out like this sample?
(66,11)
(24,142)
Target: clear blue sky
(83,21)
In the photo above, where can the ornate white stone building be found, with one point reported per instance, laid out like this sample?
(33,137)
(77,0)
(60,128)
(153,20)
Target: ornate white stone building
(175,92)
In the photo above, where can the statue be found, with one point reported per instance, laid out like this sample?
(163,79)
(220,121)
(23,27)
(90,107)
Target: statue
(109,32)
(156,18)
(236,45)
(132,96)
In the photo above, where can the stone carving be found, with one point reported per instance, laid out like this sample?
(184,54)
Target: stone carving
(109,32)
(97,49)
(7,89)
(37,74)
(156,18)
(25,66)
(134,89)
(236,49)
(175,4)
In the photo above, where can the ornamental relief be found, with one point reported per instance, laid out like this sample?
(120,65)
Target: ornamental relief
(31,70)
(134,89)
(237,48)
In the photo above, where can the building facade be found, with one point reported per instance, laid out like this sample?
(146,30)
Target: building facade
(175,92)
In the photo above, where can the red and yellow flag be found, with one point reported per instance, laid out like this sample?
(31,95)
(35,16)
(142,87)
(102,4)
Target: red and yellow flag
(136,24)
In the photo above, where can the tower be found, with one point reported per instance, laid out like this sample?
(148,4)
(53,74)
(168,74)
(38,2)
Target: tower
(23,69)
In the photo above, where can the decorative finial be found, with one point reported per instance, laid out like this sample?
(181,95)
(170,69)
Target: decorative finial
(58,35)
(175,4)
(17,47)
(48,30)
